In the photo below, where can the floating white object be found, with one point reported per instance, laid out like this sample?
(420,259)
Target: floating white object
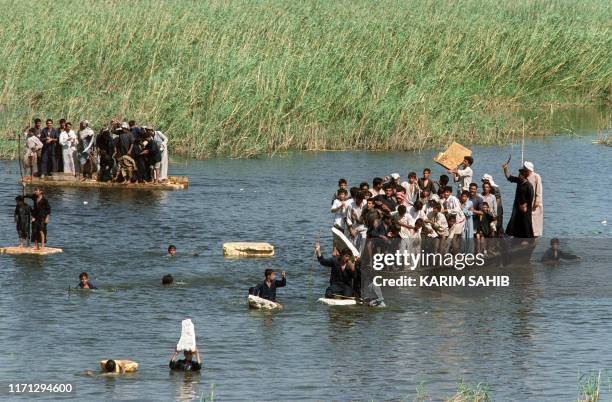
(187,341)
(346,241)
(604,222)
(337,302)
(245,249)
(30,250)
(261,303)
(85,203)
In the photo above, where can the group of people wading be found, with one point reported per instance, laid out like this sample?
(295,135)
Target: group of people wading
(122,152)
(423,213)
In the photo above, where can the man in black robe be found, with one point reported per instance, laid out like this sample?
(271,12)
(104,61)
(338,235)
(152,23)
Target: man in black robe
(520,222)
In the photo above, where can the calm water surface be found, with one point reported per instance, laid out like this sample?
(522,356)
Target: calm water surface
(530,341)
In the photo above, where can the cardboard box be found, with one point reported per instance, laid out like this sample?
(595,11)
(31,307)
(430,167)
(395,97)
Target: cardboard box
(453,156)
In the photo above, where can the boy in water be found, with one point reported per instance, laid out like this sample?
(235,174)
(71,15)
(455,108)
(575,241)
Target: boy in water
(23,217)
(171,250)
(267,289)
(554,255)
(84,282)
(186,364)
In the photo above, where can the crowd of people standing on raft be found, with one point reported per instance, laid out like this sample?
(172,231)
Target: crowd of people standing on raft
(424,208)
(423,213)
(122,152)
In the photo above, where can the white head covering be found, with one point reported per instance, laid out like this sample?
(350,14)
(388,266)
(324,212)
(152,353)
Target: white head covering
(489,178)
(529,166)
(395,176)
(125,125)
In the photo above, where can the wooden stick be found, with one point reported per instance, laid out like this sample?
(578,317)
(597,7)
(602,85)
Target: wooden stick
(523,146)
(344,297)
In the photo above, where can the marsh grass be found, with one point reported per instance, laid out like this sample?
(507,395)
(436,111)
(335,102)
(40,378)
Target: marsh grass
(243,78)
(589,387)
(467,393)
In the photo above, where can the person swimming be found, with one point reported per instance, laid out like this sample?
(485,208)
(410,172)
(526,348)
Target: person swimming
(167,280)
(554,255)
(171,250)
(84,282)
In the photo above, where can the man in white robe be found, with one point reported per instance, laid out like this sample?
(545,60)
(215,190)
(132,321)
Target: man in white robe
(537,212)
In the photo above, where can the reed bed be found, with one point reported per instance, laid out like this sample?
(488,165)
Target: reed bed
(243,78)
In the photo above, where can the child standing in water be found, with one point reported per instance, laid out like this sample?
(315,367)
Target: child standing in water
(23,217)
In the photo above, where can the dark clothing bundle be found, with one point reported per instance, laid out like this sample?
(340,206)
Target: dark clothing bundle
(183,365)
(23,217)
(269,293)
(520,222)
(340,280)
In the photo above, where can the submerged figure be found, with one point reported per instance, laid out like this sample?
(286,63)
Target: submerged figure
(84,282)
(118,366)
(554,255)
(187,363)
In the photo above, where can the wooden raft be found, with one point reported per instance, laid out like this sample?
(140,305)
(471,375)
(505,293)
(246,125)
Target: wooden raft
(69,180)
(30,251)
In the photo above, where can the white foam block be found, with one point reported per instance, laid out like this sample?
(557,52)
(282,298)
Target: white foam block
(258,302)
(346,241)
(188,340)
(337,302)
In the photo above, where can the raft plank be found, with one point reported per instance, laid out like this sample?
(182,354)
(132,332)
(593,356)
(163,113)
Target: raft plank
(173,183)
(30,250)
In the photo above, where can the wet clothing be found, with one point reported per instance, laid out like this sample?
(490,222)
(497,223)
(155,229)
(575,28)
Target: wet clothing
(520,222)
(550,256)
(40,212)
(91,286)
(183,365)
(269,292)
(340,280)
(22,220)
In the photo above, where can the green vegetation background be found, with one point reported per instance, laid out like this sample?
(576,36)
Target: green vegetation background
(241,78)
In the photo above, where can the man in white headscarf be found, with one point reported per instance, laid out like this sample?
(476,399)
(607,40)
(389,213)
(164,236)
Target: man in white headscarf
(537,213)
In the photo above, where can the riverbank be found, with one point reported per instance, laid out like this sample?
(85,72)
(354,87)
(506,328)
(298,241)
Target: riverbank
(244,78)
